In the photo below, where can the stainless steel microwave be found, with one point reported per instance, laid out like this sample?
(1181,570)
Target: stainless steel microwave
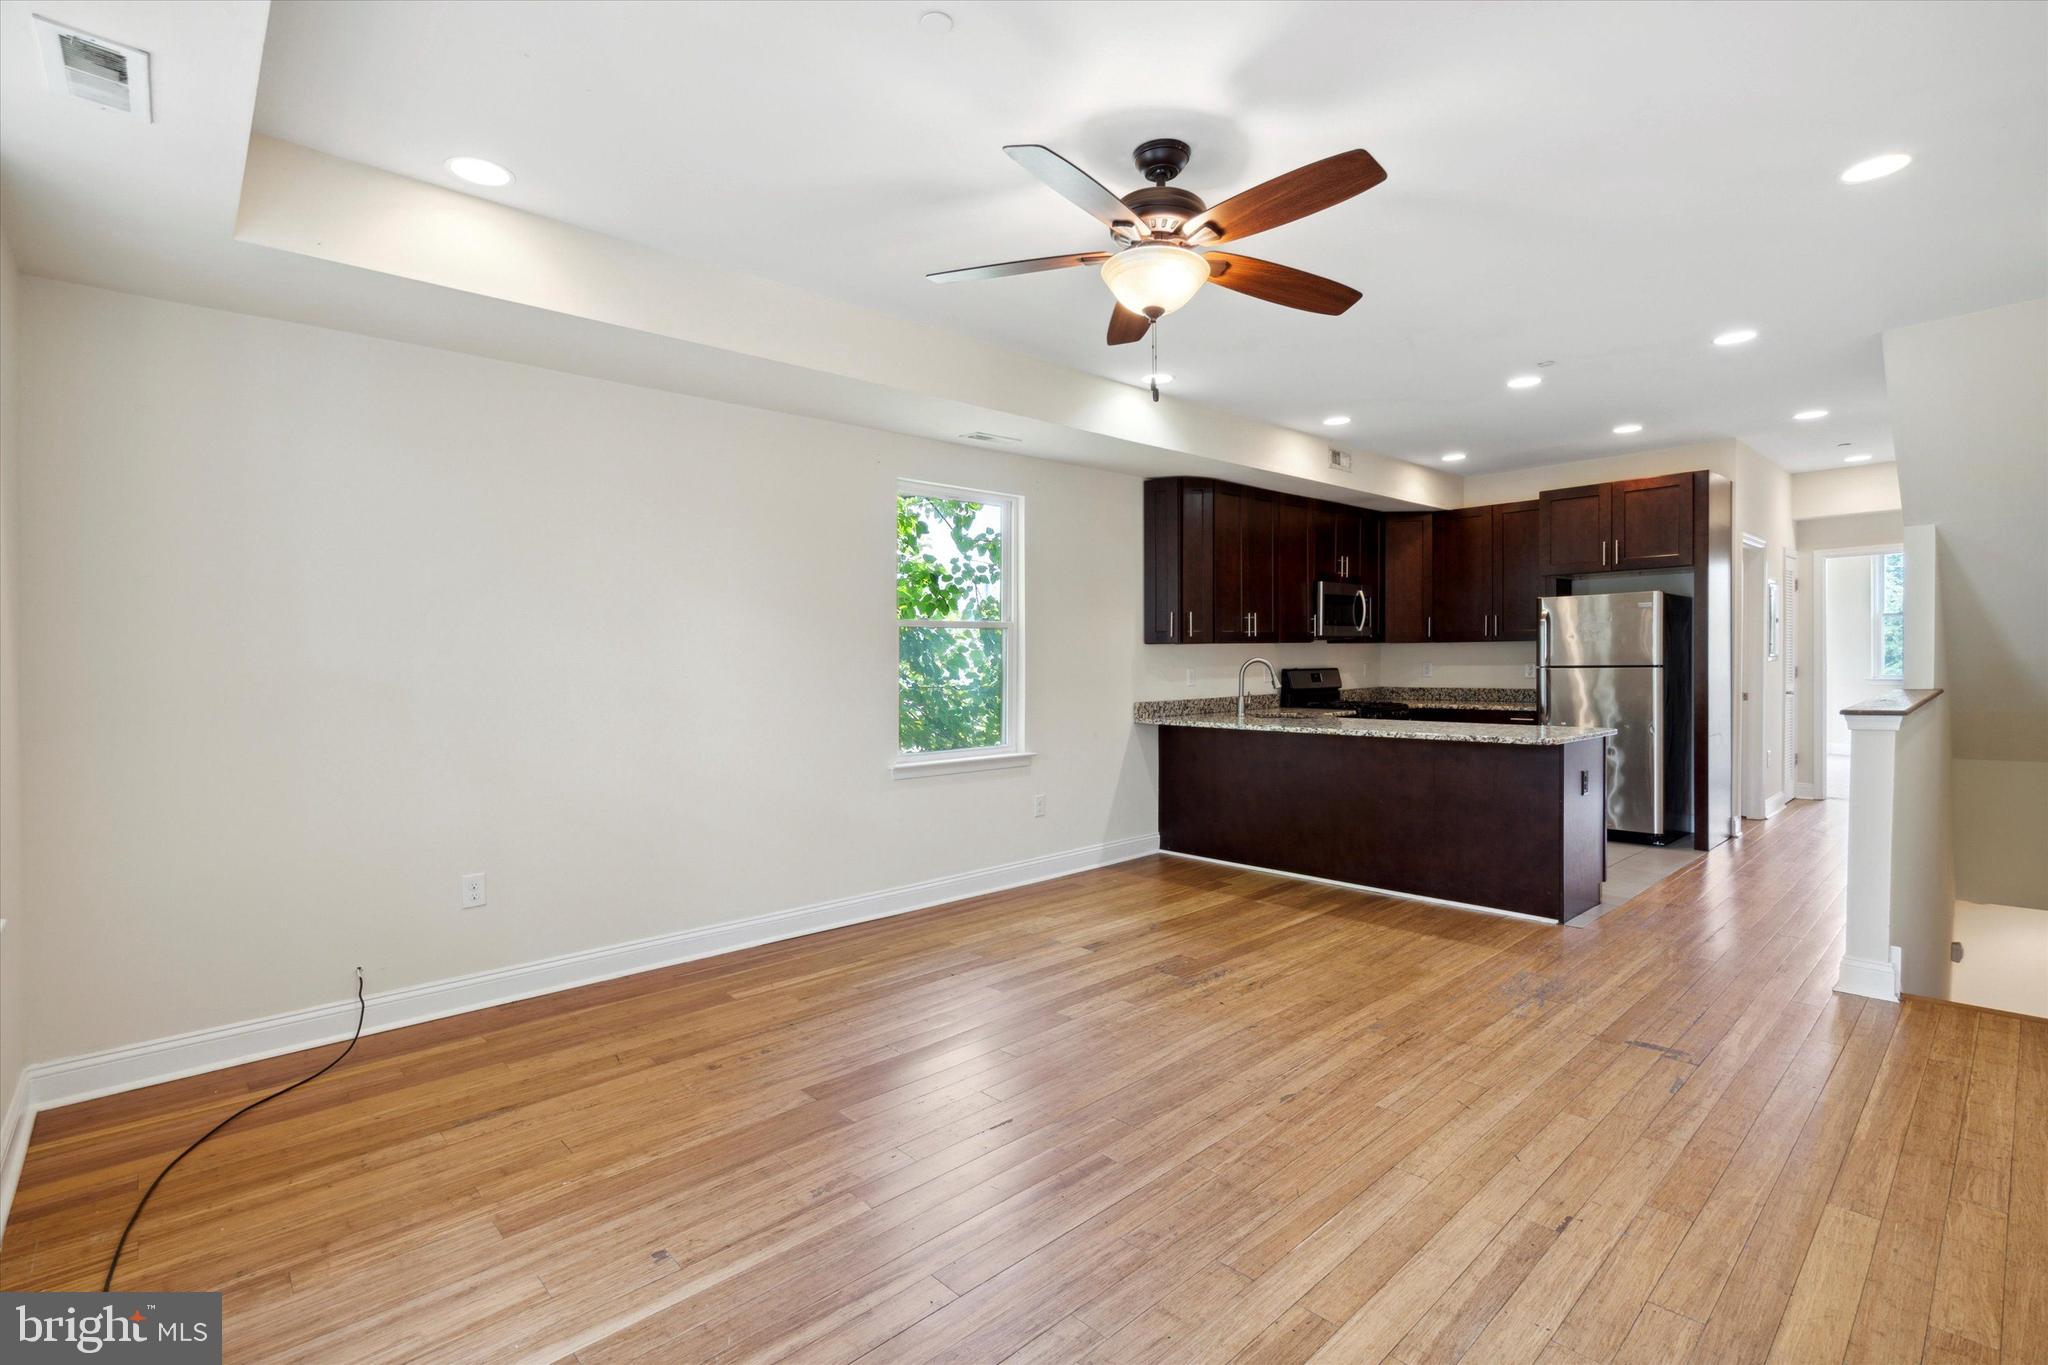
(1343,611)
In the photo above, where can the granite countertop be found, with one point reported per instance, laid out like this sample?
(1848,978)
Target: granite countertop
(1445,730)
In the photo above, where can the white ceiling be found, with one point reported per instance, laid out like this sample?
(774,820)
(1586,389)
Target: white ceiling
(1601,186)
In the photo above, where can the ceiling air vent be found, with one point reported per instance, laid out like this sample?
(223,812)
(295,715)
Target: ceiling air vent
(988,436)
(96,70)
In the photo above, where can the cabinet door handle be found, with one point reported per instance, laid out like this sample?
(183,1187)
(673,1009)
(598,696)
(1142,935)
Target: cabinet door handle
(1429,627)
(1603,553)
(1172,628)
(1191,625)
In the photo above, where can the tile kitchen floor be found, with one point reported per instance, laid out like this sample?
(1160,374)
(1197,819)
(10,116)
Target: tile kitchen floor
(1632,869)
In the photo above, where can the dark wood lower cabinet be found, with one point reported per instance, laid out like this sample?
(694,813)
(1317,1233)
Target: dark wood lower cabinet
(1510,826)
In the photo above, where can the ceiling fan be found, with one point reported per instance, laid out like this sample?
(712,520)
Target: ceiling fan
(1165,236)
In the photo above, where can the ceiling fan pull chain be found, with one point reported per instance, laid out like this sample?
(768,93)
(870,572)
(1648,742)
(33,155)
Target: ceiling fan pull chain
(1153,378)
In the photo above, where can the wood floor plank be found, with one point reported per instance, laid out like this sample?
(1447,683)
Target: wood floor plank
(1159,1112)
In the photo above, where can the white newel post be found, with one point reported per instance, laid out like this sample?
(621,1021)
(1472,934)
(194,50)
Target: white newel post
(1901,892)
(1873,769)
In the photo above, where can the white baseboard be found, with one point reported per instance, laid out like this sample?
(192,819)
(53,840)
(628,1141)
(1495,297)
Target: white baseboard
(48,1085)
(13,1145)
(1867,976)
(1773,804)
(1807,791)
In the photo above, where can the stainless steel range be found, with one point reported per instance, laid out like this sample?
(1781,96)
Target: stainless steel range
(1312,692)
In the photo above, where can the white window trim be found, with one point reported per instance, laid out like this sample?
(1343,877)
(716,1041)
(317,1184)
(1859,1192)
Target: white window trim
(1011,753)
(1877,615)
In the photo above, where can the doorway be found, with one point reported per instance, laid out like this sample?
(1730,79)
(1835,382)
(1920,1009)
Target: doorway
(1760,700)
(1859,647)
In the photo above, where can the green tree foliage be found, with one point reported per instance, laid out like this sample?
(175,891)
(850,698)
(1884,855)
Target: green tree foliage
(949,681)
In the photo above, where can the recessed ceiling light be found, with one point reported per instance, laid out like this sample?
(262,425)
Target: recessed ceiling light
(935,21)
(1736,337)
(478,171)
(1857,459)
(1628,428)
(1525,381)
(1452,457)
(1810,415)
(1338,421)
(1158,379)
(1876,168)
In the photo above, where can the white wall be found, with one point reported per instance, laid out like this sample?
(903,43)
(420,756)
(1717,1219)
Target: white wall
(14,1039)
(1849,642)
(1969,402)
(2005,959)
(1849,491)
(313,624)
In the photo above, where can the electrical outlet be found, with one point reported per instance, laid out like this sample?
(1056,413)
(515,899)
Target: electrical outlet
(1038,807)
(473,891)
(1528,670)
(1429,670)
(1191,680)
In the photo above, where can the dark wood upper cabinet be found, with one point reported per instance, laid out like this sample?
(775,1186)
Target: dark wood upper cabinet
(1245,541)
(1369,578)
(1632,524)
(1406,550)
(1653,522)
(1340,533)
(1179,531)
(1575,528)
(1232,564)
(1461,581)
(1516,533)
(1294,557)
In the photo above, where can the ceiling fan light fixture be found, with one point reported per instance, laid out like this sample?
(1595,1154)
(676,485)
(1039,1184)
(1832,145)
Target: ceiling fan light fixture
(1155,279)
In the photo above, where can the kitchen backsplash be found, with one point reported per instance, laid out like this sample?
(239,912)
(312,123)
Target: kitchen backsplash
(1193,671)
(1179,707)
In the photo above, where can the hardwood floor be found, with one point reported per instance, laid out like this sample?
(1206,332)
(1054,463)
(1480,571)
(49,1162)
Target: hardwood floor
(1161,1112)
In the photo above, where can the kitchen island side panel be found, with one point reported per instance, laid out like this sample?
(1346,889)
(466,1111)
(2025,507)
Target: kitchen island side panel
(1488,824)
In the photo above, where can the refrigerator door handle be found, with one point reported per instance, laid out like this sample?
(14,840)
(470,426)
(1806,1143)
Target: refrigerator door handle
(1543,666)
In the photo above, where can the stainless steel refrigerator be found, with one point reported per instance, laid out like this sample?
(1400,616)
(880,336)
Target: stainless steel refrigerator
(1623,660)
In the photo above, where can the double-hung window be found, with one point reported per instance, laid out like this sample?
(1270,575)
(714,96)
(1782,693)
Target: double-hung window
(958,634)
(1888,617)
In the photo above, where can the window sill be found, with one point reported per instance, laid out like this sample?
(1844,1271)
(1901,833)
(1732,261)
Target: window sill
(940,765)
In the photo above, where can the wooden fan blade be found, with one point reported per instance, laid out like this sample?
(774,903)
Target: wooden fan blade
(1284,198)
(1281,284)
(1078,187)
(1126,326)
(1030,267)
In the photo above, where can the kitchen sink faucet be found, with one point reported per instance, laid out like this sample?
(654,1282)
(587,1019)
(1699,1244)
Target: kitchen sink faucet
(1271,677)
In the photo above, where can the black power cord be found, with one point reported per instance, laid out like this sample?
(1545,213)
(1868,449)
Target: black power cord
(362,1009)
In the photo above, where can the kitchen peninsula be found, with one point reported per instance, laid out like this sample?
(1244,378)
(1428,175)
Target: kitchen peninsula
(1510,816)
